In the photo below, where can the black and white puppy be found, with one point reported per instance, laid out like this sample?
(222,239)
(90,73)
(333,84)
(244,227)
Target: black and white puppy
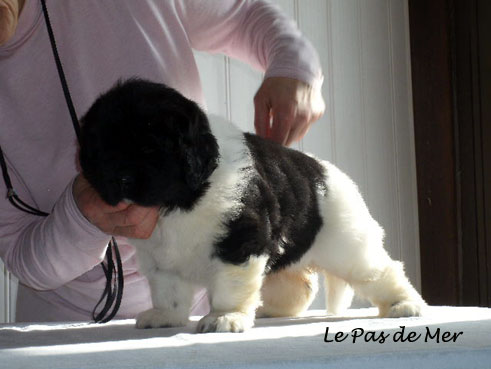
(248,219)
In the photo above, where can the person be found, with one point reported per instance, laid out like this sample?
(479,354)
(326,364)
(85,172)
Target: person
(56,258)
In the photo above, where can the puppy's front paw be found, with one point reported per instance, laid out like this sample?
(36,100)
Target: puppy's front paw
(156,318)
(230,322)
(405,309)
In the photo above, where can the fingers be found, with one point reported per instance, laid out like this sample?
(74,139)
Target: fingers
(90,203)
(262,118)
(123,219)
(134,222)
(285,109)
(281,128)
(290,125)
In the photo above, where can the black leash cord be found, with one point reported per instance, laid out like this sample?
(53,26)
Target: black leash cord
(113,292)
(12,196)
(61,73)
(110,292)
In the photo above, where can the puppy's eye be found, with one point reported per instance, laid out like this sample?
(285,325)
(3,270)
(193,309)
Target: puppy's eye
(125,182)
(148,150)
(125,179)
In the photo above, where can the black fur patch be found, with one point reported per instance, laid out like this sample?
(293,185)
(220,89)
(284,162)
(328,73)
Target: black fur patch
(280,207)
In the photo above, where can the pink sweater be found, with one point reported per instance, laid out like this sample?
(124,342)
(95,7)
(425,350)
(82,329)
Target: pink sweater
(57,258)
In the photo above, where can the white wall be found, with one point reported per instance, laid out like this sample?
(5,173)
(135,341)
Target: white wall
(367,129)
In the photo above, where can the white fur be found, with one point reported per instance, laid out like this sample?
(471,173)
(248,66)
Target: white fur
(338,294)
(348,249)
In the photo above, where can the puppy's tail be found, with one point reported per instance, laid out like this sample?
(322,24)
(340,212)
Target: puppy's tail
(339,294)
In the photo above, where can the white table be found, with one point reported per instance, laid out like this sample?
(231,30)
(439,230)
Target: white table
(272,343)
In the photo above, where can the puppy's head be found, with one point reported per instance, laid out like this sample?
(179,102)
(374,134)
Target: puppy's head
(147,143)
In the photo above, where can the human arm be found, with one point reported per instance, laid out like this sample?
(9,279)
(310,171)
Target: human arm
(258,33)
(45,253)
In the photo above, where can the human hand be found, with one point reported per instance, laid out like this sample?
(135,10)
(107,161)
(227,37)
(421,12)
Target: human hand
(9,15)
(128,220)
(285,108)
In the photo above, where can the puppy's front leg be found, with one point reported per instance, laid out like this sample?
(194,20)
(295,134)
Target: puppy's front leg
(235,295)
(172,299)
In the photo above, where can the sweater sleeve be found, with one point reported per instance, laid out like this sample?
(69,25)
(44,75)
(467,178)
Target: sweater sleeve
(256,32)
(47,252)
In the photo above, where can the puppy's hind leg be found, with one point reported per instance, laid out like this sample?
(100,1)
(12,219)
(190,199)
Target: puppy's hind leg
(338,294)
(234,295)
(362,263)
(392,292)
(288,292)
(350,246)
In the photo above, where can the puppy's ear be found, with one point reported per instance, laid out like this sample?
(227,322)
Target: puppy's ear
(200,152)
